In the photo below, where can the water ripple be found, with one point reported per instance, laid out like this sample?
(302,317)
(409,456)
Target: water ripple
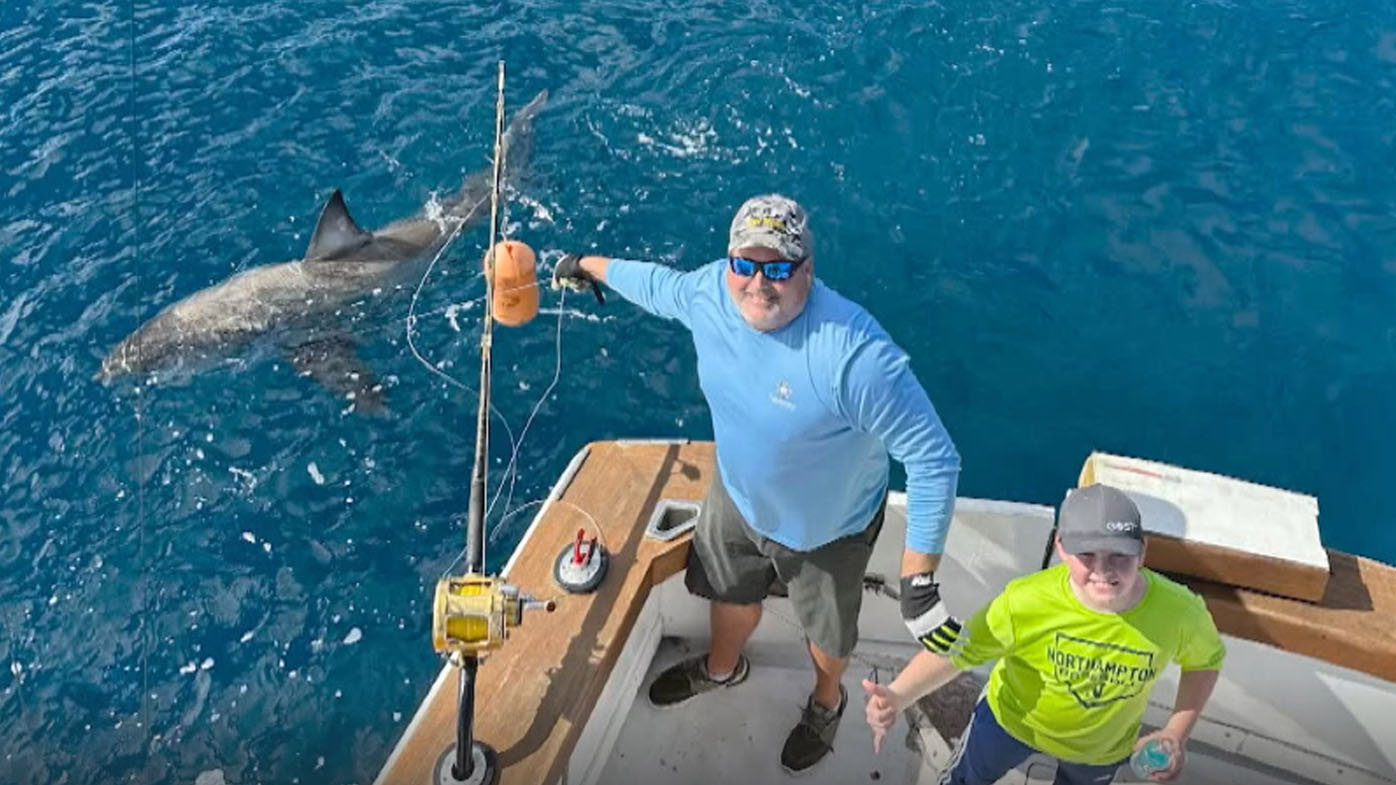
(1169,226)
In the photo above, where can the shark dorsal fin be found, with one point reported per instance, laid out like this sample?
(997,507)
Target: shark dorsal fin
(335,232)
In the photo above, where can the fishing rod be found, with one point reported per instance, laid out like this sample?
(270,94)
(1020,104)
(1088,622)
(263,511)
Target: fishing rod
(472,613)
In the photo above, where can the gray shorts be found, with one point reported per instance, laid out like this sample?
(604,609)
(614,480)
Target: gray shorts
(731,562)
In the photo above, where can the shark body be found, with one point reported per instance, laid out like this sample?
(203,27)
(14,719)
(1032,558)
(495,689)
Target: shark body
(298,305)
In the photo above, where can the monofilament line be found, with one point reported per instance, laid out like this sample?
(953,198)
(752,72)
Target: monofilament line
(143,629)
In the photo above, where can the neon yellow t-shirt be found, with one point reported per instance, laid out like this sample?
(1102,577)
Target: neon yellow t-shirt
(1073,682)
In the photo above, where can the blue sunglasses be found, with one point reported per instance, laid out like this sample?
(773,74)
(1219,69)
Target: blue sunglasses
(779,270)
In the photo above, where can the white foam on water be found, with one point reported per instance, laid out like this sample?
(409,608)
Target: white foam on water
(210,777)
(540,210)
(249,480)
(576,314)
(689,139)
(10,318)
(188,669)
(454,311)
(355,635)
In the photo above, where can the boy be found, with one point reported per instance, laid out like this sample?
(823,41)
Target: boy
(1079,645)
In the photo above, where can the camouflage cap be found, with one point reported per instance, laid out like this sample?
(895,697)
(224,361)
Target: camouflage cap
(775,222)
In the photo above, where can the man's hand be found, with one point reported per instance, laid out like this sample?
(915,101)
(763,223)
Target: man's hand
(1175,745)
(882,711)
(925,614)
(569,273)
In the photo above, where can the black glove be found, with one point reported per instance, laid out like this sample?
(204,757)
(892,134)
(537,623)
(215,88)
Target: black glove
(569,273)
(925,613)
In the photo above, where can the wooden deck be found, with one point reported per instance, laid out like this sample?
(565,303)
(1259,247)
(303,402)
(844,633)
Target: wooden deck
(1231,567)
(1354,625)
(534,696)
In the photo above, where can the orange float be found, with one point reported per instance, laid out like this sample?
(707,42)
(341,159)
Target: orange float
(515,283)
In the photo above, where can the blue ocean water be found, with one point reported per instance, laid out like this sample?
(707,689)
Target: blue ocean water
(1159,229)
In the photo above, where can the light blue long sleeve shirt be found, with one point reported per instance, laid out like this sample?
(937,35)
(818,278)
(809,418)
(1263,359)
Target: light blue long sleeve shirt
(804,417)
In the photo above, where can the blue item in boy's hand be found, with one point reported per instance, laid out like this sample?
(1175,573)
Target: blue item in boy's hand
(1151,757)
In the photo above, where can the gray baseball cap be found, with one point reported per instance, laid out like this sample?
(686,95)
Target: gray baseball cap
(1099,518)
(772,221)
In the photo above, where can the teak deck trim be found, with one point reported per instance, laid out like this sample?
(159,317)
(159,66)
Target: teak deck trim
(534,697)
(1231,567)
(1354,625)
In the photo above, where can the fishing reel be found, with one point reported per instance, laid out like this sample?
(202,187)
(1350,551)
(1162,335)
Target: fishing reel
(472,614)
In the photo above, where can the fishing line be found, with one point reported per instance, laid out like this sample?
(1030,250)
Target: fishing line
(138,406)
(459,223)
(464,305)
(509,477)
(511,470)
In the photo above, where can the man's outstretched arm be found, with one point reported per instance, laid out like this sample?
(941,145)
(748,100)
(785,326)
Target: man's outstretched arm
(657,288)
(595,266)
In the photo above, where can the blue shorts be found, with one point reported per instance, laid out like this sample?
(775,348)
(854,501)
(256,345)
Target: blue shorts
(986,752)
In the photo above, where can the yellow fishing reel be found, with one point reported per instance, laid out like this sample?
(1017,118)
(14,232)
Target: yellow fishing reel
(472,614)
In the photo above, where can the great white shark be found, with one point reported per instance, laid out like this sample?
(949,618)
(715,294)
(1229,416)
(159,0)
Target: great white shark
(300,306)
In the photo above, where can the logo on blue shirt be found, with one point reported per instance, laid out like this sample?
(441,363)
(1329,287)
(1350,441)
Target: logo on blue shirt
(781,397)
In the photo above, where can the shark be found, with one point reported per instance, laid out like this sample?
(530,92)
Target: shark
(299,307)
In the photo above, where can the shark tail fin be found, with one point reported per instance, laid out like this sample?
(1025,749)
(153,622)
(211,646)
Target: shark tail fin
(517,142)
(517,146)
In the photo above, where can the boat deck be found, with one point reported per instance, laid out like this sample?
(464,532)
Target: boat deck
(563,701)
(534,696)
(735,735)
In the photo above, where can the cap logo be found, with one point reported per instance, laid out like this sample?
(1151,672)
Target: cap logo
(1120,526)
(766,222)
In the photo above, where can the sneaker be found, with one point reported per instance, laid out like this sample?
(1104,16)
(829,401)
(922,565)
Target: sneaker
(690,677)
(813,737)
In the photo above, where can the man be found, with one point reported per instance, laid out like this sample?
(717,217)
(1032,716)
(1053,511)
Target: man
(1079,647)
(808,397)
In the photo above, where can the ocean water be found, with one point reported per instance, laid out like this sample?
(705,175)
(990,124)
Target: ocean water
(1159,229)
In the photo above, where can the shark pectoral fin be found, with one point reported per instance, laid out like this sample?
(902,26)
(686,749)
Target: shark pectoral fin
(336,231)
(333,363)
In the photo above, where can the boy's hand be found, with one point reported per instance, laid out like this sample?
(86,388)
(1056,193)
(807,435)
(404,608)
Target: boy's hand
(882,711)
(1175,745)
(925,614)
